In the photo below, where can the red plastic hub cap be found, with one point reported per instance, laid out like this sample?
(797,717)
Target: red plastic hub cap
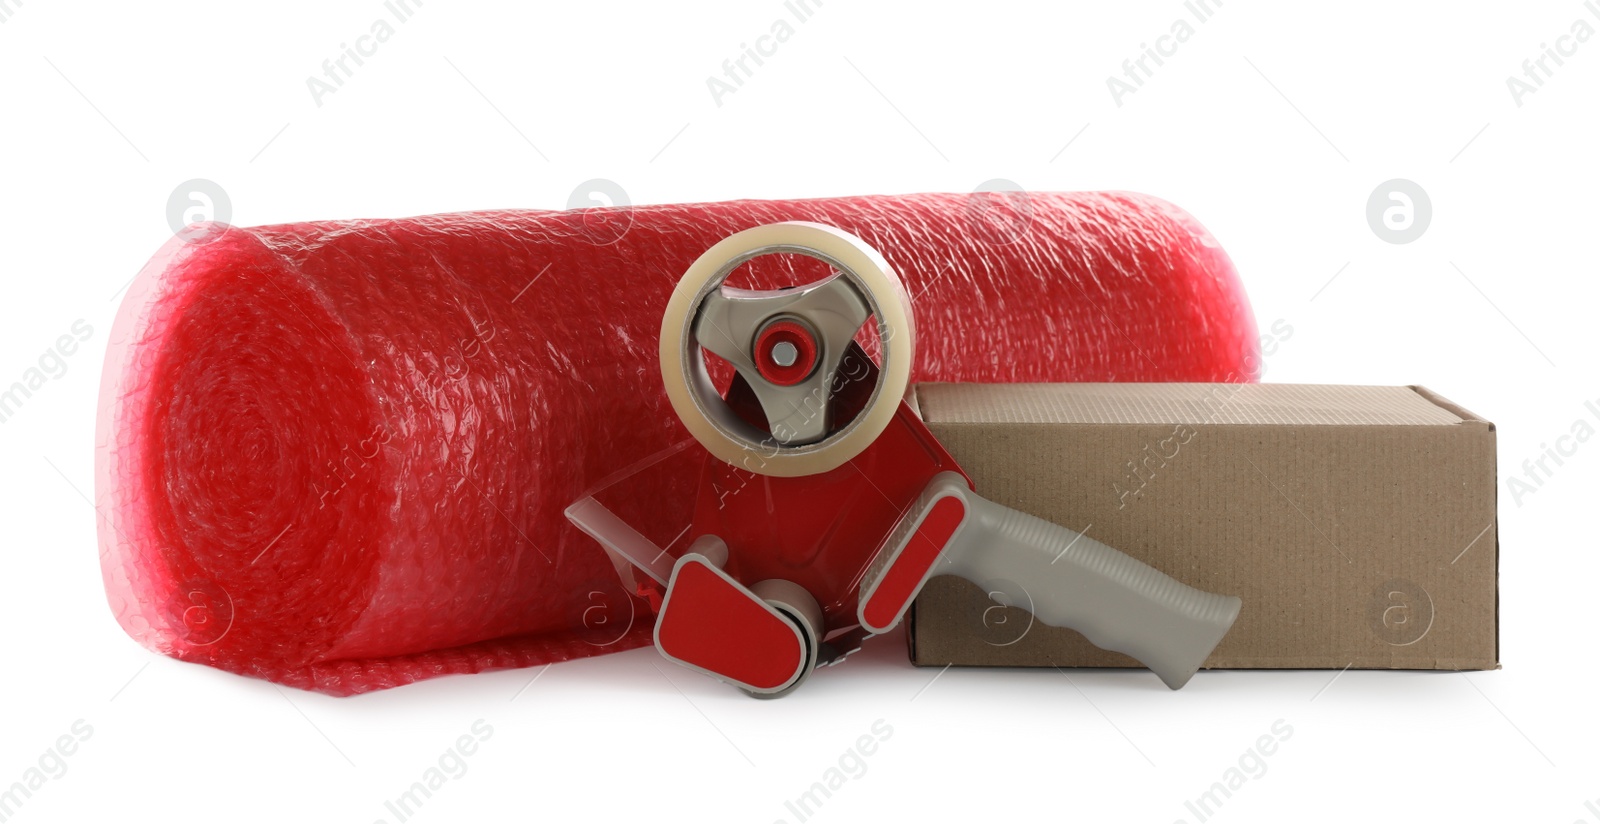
(785,340)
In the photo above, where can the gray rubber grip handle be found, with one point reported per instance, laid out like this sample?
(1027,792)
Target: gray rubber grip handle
(1074,581)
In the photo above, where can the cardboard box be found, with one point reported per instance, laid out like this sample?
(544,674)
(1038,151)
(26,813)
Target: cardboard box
(1357,523)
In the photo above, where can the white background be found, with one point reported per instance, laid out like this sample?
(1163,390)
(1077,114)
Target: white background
(1273,125)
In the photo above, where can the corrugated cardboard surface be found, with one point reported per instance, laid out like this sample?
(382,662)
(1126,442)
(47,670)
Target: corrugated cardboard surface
(1357,523)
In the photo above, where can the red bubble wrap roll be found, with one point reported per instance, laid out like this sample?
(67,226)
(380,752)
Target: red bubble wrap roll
(335,455)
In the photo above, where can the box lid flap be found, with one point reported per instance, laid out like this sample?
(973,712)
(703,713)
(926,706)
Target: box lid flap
(1183,403)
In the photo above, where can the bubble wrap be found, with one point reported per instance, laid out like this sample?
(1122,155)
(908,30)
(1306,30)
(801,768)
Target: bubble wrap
(335,455)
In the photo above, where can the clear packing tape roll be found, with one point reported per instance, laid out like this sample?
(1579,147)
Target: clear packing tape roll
(336,455)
